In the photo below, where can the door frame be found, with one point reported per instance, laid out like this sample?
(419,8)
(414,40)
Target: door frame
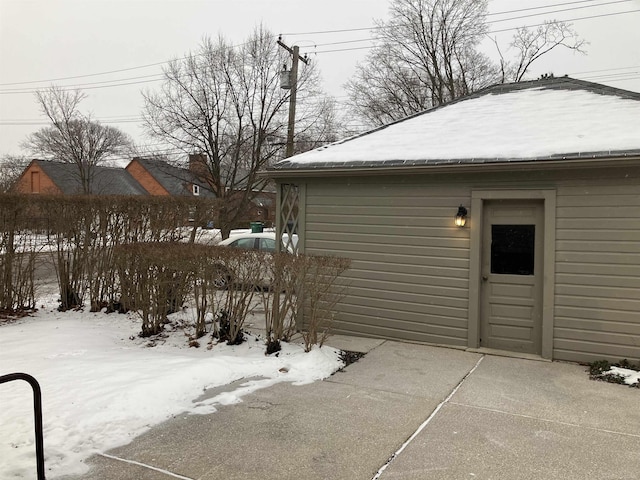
(478,197)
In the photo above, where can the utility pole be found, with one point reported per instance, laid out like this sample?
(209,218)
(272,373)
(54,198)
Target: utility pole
(293,76)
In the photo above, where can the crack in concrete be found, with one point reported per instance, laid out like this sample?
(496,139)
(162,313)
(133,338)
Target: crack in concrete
(427,421)
(558,422)
(144,465)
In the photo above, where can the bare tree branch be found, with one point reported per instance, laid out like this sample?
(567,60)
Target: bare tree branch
(226,104)
(427,53)
(530,45)
(11,167)
(74,137)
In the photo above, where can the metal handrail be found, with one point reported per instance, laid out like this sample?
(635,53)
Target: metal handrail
(37,412)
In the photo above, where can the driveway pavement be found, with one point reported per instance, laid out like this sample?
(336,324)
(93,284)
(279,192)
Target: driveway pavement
(403,411)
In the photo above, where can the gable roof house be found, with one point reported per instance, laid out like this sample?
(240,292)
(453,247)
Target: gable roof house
(58,178)
(161,178)
(141,176)
(545,175)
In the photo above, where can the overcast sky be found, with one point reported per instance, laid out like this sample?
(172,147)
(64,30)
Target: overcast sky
(43,41)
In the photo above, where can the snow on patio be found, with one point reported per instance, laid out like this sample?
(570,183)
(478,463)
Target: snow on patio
(102,385)
(630,377)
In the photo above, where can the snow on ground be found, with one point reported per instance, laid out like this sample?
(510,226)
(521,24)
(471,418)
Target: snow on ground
(102,385)
(631,377)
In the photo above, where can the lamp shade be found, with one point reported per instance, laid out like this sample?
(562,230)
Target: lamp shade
(461,216)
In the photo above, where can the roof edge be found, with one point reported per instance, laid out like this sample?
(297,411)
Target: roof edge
(606,159)
(549,82)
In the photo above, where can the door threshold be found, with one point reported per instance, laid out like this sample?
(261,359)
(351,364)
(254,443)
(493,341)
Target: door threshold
(507,353)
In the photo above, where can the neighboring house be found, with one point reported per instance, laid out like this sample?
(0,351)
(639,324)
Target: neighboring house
(142,176)
(548,262)
(262,205)
(160,178)
(57,178)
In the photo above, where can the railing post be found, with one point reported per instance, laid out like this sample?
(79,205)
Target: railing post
(37,412)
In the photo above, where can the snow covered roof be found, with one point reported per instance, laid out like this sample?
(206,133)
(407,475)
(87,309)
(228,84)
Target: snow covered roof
(547,119)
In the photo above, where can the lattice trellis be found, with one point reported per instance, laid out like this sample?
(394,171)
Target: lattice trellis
(288,216)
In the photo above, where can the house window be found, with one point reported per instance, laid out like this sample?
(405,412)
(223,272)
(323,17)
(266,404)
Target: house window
(196,189)
(512,249)
(35,182)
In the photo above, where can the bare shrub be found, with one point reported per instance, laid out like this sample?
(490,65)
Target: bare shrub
(244,274)
(322,289)
(17,255)
(155,279)
(204,263)
(24,266)
(146,219)
(107,231)
(83,231)
(71,235)
(280,300)
(302,286)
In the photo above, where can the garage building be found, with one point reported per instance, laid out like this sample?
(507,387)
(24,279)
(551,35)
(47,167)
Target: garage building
(545,178)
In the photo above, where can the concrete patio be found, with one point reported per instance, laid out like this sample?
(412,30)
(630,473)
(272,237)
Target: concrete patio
(403,411)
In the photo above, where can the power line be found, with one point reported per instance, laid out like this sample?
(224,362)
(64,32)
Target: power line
(353,49)
(5,123)
(49,80)
(107,82)
(496,21)
(570,20)
(606,70)
(498,31)
(546,6)
(343,42)
(21,91)
(558,11)
(613,77)
(73,87)
(614,74)
(85,76)
(106,117)
(359,29)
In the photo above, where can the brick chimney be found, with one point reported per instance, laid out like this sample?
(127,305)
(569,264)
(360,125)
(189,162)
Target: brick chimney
(198,165)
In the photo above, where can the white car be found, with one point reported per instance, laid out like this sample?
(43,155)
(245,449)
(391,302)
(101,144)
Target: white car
(264,241)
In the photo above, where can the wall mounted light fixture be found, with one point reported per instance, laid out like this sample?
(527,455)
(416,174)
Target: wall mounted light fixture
(461,216)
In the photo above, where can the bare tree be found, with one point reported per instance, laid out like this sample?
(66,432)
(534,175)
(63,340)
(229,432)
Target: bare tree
(11,167)
(384,89)
(427,53)
(226,104)
(530,45)
(321,125)
(74,137)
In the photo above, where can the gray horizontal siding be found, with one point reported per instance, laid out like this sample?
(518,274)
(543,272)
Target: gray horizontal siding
(409,277)
(409,273)
(597,297)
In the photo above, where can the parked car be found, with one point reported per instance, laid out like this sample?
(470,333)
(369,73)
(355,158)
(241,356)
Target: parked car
(264,241)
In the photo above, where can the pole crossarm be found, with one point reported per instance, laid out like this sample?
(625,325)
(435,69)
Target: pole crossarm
(292,51)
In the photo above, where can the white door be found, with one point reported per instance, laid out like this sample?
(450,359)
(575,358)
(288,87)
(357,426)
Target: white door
(512,262)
